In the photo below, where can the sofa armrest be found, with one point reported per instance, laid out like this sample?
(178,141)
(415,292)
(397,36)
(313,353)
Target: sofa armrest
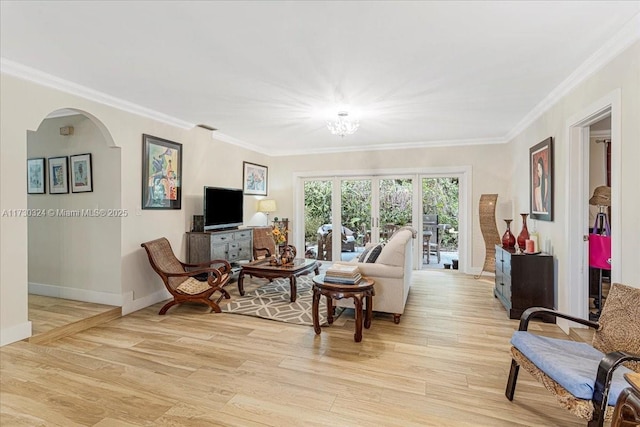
(379,270)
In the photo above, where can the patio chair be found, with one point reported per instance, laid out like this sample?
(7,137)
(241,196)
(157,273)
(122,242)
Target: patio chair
(586,379)
(325,238)
(432,229)
(182,284)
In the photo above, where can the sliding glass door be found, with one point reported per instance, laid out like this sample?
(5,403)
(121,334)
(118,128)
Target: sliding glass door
(355,207)
(395,205)
(317,195)
(368,207)
(370,210)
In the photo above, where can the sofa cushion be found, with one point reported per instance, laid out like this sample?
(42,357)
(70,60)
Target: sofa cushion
(393,251)
(571,364)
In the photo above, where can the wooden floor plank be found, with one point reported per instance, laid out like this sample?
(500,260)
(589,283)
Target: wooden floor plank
(445,364)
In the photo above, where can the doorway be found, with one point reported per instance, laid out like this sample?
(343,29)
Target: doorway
(573,288)
(73,255)
(600,144)
(440,222)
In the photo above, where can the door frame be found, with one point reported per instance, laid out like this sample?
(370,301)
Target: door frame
(463,173)
(573,297)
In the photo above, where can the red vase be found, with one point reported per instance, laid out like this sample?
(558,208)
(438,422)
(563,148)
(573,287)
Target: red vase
(524,233)
(508,239)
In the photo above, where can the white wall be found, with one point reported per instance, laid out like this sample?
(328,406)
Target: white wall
(489,165)
(623,74)
(23,107)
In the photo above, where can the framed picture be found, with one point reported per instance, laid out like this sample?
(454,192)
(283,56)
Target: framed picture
(161,173)
(541,180)
(36,176)
(254,178)
(81,173)
(58,175)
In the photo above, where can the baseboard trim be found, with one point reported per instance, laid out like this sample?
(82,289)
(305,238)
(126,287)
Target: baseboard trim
(75,294)
(130,305)
(15,333)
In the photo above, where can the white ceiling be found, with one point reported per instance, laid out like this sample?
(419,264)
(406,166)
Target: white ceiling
(269,74)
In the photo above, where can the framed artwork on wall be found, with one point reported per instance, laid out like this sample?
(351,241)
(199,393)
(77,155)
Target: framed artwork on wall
(161,173)
(541,180)
(81,173)
(255,179)
(36,176)
(58,175)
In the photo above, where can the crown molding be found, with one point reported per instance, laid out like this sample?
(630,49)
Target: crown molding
(627,35)
(219,136)
(31,74)
(624,38)
(397,146)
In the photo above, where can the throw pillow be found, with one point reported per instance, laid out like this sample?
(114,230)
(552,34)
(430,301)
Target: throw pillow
(363,255)
(374,253)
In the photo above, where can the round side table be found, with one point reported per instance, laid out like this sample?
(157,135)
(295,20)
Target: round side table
(361,291)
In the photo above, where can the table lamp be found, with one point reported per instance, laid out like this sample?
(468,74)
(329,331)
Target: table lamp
(266,206)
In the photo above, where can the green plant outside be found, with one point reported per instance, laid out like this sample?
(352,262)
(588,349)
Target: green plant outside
(439,196)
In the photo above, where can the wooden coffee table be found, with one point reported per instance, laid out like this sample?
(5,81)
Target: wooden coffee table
(363,290)
(262,268)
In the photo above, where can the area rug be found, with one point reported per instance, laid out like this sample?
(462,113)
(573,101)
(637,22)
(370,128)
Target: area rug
(272,301)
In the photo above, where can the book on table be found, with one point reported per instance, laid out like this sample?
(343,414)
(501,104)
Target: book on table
(343,270)
(343,280)
(343,274)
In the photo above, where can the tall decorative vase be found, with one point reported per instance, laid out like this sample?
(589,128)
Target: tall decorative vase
(508,239)
(524,233)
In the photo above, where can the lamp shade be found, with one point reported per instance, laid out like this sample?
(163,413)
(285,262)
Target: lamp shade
(601,196)
(267,205)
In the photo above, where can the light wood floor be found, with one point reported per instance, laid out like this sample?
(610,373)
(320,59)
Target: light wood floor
(52,318)
(445,364)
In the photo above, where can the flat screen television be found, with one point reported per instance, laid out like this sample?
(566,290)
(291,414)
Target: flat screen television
(223,208)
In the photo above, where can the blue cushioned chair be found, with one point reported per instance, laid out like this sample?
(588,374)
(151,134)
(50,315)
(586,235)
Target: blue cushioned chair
(586,379)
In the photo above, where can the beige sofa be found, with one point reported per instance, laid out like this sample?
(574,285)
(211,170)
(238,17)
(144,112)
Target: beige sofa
(391,273)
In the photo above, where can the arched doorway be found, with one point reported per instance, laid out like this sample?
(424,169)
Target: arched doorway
(73,235)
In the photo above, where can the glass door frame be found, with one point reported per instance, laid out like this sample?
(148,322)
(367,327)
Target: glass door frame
(465,216)
(375,227)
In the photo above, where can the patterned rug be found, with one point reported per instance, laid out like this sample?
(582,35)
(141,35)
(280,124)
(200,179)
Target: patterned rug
(272,301)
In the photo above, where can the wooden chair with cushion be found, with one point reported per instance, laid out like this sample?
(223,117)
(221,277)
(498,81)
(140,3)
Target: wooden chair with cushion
(181,283)
(586,379)
(263,244)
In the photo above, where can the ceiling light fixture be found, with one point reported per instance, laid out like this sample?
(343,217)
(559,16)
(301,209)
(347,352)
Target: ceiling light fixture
(343,126)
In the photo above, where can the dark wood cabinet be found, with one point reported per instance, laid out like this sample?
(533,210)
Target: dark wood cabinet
(524,281)
(232,245)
